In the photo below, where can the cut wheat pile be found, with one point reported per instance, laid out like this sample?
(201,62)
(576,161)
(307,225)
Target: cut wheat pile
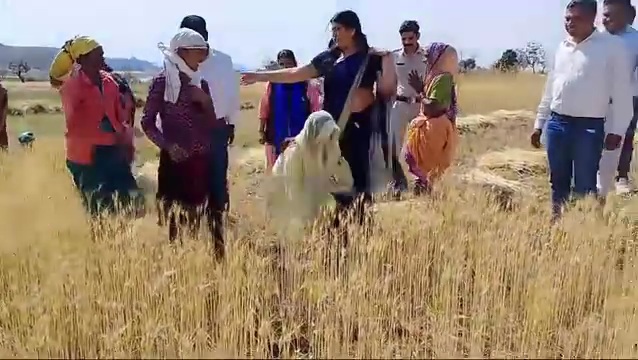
(480,177)
(472,123)
(519,161)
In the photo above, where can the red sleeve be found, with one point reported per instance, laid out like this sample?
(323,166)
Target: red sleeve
(112,92)
(264,107)
(71,94)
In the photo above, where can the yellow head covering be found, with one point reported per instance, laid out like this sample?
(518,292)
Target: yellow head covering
(68,55)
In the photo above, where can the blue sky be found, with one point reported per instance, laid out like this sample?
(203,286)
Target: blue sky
(251,30)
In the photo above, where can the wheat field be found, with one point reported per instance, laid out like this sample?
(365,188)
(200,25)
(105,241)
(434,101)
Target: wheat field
(453,275)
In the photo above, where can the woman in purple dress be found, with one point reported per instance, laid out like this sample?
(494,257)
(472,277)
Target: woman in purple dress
(187,114)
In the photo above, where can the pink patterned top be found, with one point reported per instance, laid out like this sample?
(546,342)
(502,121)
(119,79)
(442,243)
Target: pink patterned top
(183,123)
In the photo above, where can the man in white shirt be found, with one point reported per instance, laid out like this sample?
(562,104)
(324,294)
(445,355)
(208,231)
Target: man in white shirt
(410,61)
(223,83)
(590,69)
(617,17)
(615,165)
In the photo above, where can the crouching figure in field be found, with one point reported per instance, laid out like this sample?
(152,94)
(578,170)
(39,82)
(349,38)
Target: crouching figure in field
(309,170)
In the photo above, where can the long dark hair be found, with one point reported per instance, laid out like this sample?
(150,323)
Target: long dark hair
(350,20)
(287,54)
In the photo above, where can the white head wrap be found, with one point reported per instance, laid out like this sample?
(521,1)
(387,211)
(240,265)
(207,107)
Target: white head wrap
(173,64)
(320,140)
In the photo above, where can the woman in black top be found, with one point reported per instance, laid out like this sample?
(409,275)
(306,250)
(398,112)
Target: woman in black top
(339,65)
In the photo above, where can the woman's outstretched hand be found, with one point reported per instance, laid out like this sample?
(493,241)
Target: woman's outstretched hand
(248,78)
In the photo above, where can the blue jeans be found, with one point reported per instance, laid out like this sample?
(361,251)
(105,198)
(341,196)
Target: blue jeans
(574,146)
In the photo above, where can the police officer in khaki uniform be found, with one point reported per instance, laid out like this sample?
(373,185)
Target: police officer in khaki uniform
(410,61)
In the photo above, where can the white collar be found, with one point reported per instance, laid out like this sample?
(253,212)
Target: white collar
(419,51)
(626,30)
(570,42)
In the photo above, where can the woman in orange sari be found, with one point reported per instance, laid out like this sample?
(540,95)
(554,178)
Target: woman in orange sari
(432,137)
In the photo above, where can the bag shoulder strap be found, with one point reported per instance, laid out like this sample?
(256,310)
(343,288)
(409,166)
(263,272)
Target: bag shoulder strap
(347,109)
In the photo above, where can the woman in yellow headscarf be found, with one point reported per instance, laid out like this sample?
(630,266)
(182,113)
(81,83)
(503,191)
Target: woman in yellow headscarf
(98,137)
(65,61)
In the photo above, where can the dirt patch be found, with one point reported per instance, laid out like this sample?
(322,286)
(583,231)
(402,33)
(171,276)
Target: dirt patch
(146,176)
(247,106)
(248,156)
(139,102)
(29,85)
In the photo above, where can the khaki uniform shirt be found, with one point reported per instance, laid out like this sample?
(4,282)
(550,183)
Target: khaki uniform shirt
(405,64)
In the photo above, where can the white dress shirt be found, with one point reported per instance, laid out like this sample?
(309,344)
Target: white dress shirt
(630,38)
(223,82)
(585,77)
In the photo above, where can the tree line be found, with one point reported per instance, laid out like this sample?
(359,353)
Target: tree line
(18,69)
(532,56)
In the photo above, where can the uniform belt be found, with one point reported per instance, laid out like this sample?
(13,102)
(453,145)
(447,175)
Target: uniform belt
(406,99)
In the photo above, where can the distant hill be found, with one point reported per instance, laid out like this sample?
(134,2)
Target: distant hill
(39,57)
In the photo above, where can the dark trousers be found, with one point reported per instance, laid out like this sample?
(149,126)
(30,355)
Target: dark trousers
(391,149)
(624,164)
(218,178)
(355,148)
(183,184)
(574,147)
(106,185)
(4,138)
